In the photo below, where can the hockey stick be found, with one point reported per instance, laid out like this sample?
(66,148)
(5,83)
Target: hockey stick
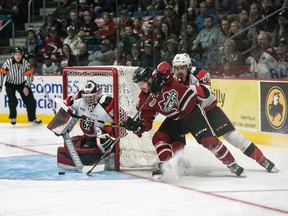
(118,138)
(70,146)
(66,109)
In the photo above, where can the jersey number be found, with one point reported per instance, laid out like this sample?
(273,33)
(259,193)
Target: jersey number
(86,125)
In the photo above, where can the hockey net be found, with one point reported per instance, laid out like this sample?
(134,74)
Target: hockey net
(131,152)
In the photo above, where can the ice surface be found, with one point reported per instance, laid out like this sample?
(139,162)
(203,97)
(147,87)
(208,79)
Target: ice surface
(30,184)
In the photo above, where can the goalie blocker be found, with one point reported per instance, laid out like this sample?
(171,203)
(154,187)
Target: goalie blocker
(62,123)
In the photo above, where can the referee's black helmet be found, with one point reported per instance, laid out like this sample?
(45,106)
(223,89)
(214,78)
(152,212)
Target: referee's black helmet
(18,50)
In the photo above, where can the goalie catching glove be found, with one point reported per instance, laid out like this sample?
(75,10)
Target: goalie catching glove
(136,126)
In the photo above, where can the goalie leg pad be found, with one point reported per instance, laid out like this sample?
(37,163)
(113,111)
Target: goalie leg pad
(89,143)
(77,141)
(87,156)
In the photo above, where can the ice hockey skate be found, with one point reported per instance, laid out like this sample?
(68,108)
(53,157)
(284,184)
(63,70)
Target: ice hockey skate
(166,171)
(182,164)
(269,166)
(13,121)
(158,174)
(236,169)
(36,121)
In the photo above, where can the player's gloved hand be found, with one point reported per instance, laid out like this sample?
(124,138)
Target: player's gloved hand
(157,83)
(204,77)
(104,142)
(163,74)
(136,126)
(164,68)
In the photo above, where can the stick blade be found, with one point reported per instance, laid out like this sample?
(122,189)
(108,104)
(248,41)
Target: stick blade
(88,169)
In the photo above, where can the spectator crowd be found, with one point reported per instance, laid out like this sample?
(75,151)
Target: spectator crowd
(228,38)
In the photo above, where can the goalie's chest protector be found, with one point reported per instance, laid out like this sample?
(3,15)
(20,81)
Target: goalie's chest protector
(100,111)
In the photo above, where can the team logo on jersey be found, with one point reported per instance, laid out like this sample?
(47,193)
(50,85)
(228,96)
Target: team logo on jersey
(276,107)
(169,102)
(91,107)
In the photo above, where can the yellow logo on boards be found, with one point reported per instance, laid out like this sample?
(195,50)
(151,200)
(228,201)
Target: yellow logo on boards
(276,107)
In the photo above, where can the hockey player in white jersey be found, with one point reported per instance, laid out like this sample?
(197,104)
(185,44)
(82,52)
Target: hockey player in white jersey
(90,104)
(185,73)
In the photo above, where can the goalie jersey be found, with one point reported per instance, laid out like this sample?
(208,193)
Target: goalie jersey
(102,110)
(62,122)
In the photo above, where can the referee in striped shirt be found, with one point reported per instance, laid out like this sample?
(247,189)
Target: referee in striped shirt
(18,78)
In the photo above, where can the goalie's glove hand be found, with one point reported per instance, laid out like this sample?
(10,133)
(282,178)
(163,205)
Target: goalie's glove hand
(104,142)
(158,83)
(136,126)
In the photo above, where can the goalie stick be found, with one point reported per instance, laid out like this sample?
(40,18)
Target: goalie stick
(118,138)
(70,146)
(66,109)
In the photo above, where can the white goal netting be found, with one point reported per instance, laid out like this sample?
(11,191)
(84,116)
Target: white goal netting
(134,152)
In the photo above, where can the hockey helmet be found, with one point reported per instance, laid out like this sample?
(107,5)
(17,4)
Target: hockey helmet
(91,92)
(18,50)
(181,60)
(141,74)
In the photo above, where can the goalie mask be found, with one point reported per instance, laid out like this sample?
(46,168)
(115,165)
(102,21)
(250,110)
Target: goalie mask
(91,92)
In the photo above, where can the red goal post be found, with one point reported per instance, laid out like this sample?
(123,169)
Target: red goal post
(131,152)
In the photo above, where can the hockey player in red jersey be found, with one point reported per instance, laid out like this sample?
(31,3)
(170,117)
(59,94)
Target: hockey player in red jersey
(200,81)
(183,115)
(89,103)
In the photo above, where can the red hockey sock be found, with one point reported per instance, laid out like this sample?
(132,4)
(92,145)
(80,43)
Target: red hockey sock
(255,153)
(218,149)
(177,146)
(164,151)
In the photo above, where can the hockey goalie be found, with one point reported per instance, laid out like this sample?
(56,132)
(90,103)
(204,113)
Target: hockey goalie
(92,108)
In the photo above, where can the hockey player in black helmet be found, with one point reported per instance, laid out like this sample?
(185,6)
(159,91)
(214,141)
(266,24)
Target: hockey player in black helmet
(141,74)
(178,103)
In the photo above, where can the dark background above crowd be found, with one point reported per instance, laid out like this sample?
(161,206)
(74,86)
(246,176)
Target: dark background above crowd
(215,33)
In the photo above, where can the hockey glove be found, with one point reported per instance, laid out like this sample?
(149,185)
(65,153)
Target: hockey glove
(136,126)
(104,142)
(157,83)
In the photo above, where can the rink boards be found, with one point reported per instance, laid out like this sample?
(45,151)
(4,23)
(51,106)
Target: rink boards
(258,108)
